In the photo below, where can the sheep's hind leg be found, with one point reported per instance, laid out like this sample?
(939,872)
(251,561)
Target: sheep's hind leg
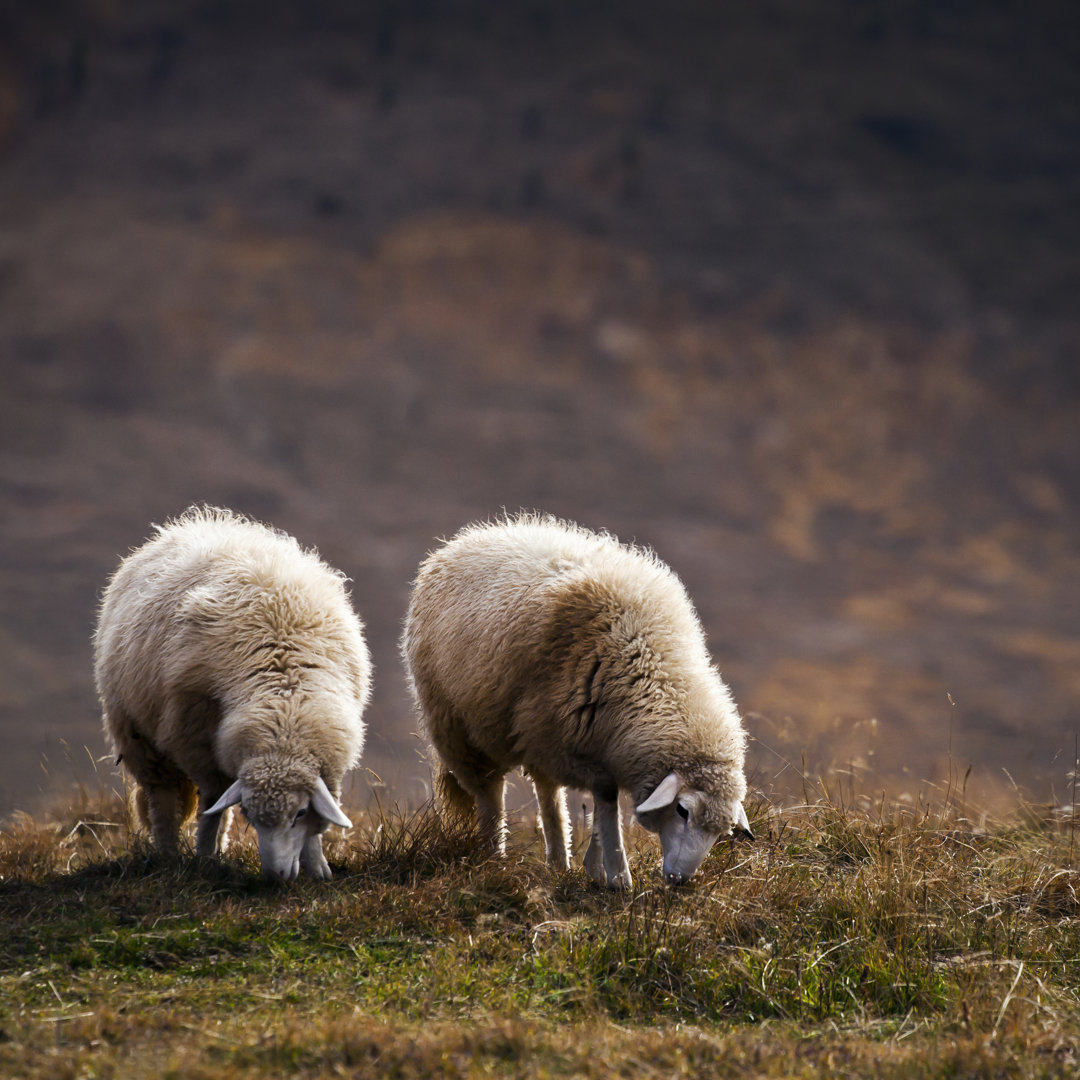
(166,806)
(556,825)
(491,814)
(164,797)
(465,774)
(605,858)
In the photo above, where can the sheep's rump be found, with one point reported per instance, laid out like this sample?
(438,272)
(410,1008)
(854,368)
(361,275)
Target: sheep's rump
(211,611)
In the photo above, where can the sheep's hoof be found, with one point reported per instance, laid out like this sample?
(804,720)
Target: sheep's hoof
(594,867)
(600,878)
(320,871)
(594,863)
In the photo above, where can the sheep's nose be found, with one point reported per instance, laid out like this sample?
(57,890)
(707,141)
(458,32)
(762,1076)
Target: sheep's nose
(674,878)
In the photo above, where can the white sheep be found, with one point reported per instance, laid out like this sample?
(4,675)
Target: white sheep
(229,660)
(534,642)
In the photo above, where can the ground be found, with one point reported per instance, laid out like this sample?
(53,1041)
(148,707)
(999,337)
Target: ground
(839,943)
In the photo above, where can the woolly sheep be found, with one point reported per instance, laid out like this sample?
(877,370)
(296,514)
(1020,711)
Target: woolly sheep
(229,660)
(534,642)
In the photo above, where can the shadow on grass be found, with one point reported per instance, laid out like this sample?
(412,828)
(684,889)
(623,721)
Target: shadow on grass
(96,864)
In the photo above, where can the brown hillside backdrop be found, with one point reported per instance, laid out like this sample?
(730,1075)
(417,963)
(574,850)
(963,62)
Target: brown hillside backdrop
(788,292)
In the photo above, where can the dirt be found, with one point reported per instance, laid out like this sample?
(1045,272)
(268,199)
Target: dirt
(787,295)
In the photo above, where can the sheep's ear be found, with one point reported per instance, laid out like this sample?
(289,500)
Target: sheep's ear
(230,798)
(741,824)
(664,795)
(327,806)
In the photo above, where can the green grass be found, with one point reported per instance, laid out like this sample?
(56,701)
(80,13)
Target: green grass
(842,942)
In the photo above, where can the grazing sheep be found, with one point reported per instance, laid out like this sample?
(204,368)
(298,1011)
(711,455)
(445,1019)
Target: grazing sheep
(229,660)
(534,642)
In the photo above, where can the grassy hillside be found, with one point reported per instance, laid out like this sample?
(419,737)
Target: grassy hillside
(843,942)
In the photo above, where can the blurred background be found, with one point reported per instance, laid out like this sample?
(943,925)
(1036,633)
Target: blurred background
(787,291)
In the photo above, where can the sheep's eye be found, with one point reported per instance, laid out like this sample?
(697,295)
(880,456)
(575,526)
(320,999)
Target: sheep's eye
(682,811)
(299,814)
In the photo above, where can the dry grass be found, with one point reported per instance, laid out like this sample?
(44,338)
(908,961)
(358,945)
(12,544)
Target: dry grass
(843,942)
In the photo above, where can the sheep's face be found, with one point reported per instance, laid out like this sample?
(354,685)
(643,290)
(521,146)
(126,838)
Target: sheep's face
(285,822)
(283,834)
(688,822)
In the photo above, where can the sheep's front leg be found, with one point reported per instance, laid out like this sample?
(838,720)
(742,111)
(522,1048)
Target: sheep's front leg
(491,815)
(605,859)
(313,860)
(552,802)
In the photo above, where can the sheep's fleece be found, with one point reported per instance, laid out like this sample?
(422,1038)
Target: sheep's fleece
(534,642)
(229,660)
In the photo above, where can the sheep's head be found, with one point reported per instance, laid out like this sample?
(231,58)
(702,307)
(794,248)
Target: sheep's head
(689,820)
(287,811)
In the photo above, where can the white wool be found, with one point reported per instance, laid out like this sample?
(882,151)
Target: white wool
(226,651)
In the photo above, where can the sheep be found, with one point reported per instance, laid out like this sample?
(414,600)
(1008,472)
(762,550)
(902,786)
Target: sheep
(533,642)
(229,661)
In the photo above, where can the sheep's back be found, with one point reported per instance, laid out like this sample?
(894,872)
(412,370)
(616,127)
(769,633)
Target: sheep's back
(205,603)
(583,647)
(516,608)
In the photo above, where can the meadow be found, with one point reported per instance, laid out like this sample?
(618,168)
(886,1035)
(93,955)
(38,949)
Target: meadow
(849,939)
